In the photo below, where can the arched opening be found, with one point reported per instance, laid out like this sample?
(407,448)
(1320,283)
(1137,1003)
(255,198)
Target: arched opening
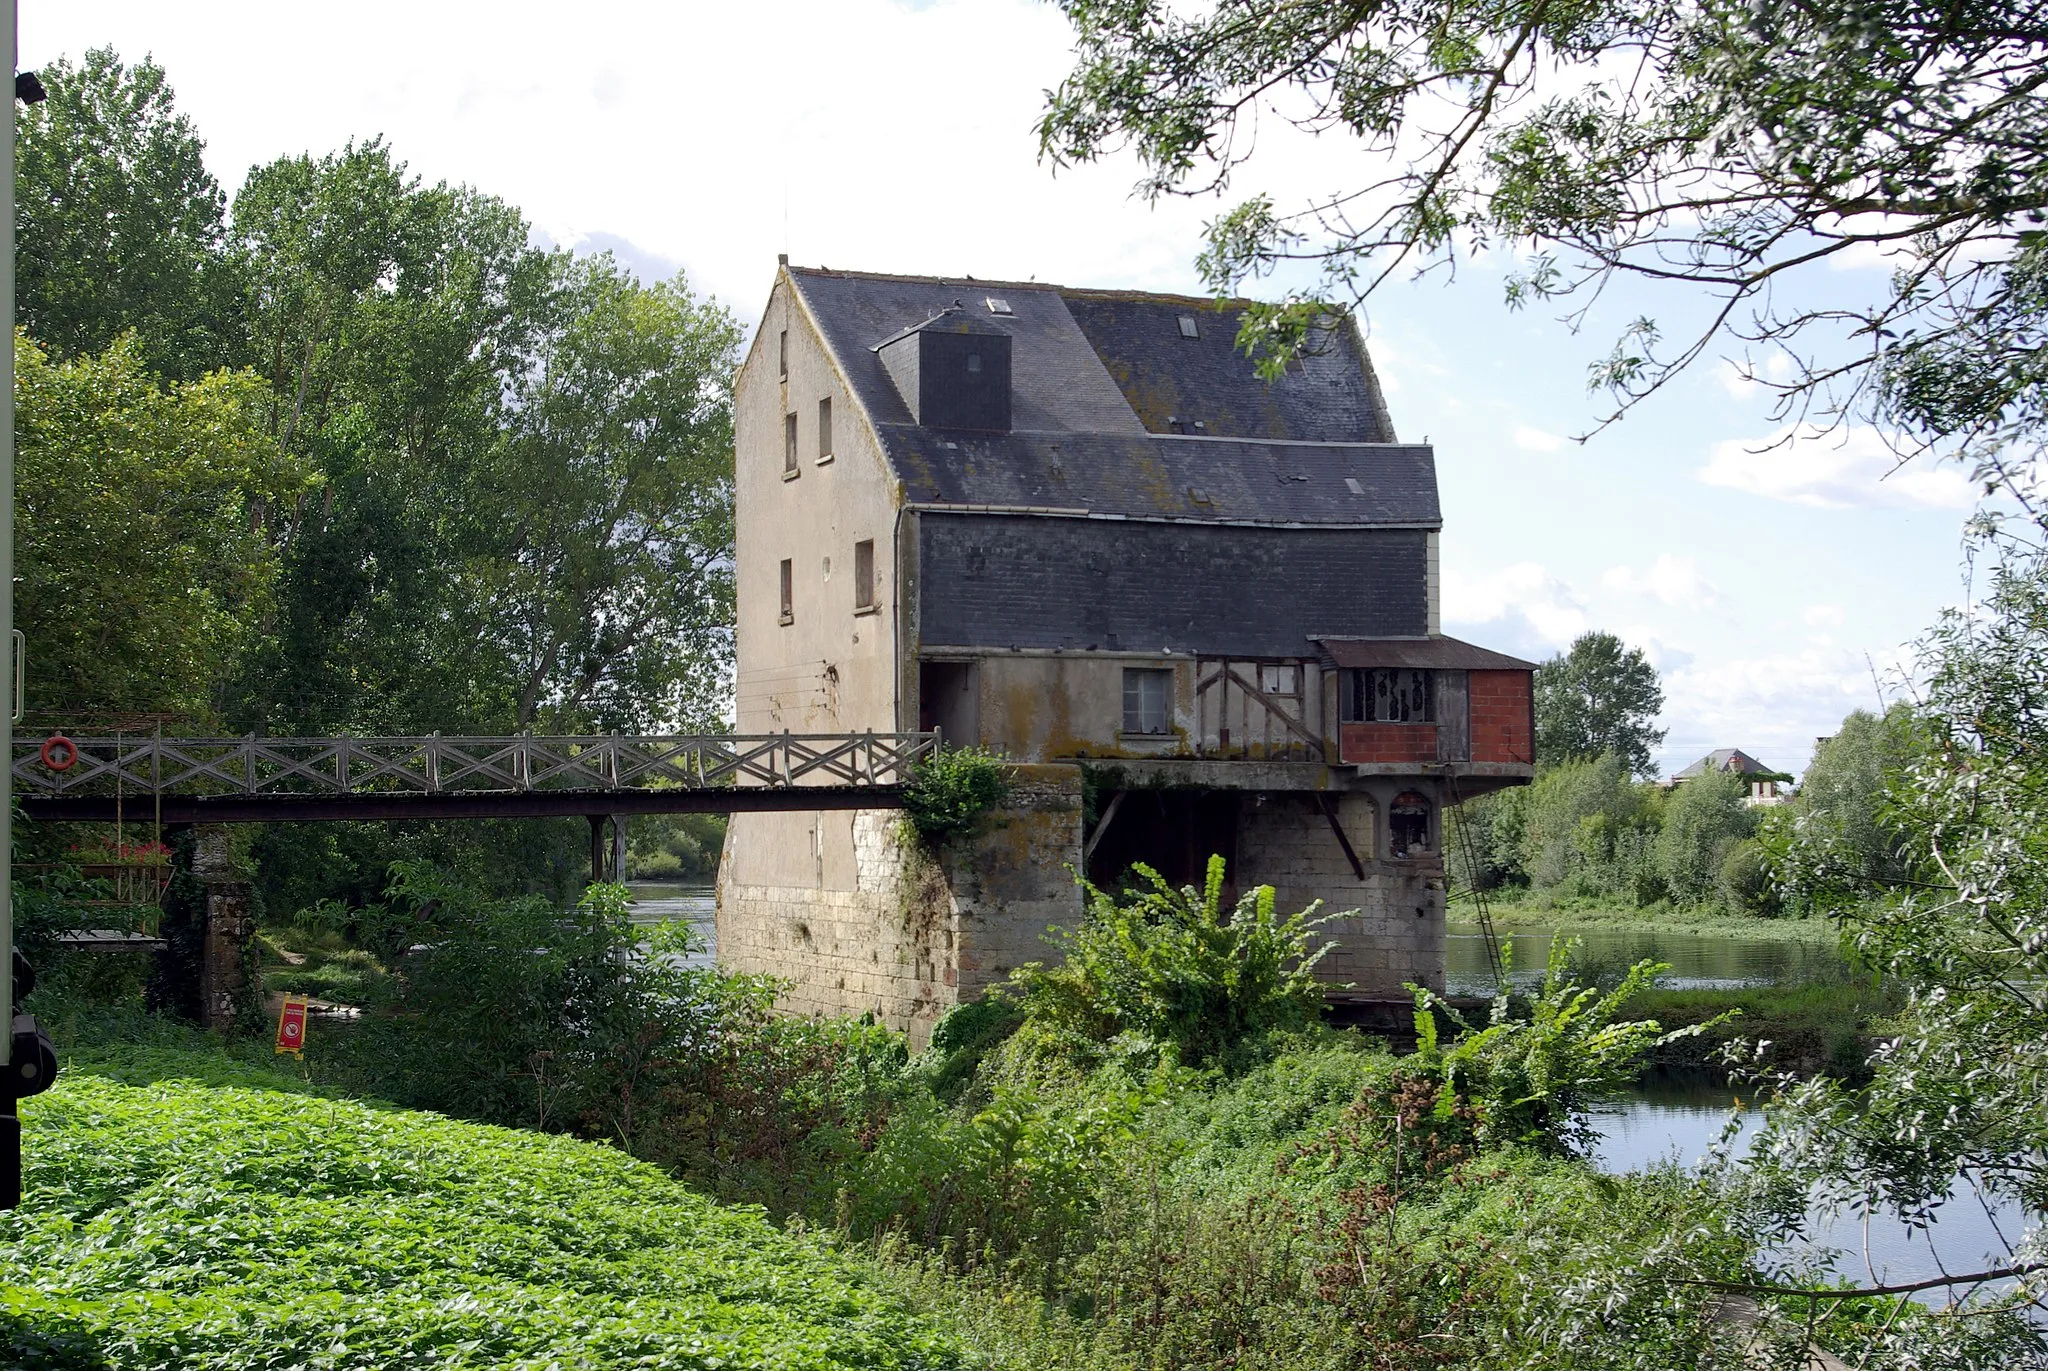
(1408,825)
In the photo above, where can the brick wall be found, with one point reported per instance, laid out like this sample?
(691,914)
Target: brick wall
(1503,722)
(1389,742)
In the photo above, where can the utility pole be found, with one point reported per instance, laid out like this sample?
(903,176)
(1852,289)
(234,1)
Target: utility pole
(10,1122)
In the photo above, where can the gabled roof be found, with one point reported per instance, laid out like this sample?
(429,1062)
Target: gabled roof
(1098,380)
(1725,759)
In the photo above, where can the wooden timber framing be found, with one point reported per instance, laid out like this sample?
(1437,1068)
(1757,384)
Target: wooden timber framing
(253,779)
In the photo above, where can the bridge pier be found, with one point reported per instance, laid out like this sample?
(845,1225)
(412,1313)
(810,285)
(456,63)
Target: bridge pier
(607,866)
(228,922)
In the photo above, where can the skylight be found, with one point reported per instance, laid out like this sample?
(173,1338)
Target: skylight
(1188,328)
(999,306)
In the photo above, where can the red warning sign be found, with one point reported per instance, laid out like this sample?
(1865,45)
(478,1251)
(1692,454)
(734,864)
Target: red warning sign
(291,1025)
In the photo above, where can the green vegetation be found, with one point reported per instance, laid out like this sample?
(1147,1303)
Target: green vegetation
(682,847)
(951,790)
(1598,699)
(237,1223)
(1717,151)
(347,452)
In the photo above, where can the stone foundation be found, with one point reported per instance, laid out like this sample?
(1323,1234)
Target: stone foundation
(1396,933)
(858,920)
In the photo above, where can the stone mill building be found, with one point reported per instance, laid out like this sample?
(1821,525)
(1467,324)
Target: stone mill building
(1199,610)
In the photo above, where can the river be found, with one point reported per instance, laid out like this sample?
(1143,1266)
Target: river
(1699,961)
(654,903)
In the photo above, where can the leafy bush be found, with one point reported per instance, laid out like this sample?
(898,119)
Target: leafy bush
(952,789)
(1535,1076)
(1703,821)
(1171,968)
(513,1011)
(173,1226)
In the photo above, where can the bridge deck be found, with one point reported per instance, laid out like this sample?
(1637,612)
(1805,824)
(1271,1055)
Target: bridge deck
(256,780)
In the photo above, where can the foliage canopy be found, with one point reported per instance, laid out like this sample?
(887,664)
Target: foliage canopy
(1599,696)
(1729,147)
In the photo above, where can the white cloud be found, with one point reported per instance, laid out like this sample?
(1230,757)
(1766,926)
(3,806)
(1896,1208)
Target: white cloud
(1771,706)
(1834,470)
(1824,616)
(1671,580)
(1524,604)
(1536,440)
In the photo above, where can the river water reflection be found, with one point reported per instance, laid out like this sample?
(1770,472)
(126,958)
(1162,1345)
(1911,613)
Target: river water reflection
(1699,961)
(1682,1121)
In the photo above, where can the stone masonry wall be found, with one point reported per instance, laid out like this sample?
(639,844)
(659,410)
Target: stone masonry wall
(1397,932)
(860,921)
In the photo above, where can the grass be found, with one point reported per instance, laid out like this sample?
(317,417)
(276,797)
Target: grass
(1813,1028)
(1519,908)
(198,1207)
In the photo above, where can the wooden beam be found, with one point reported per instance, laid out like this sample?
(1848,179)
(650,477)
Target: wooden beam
(1274,708)
(1101,826)
(1329,806)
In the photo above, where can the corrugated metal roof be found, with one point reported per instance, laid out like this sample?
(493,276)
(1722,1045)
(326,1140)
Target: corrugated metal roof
(1305,450)
(1437,652)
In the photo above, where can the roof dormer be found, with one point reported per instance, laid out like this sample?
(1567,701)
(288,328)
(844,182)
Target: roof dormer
(953,371)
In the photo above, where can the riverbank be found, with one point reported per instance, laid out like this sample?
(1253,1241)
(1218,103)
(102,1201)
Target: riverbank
(1519,909)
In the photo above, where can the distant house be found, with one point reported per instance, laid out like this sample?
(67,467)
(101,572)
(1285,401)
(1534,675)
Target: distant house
(1766,787)
(1199,609)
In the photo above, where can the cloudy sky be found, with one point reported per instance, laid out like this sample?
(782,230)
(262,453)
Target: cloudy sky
(1773,587)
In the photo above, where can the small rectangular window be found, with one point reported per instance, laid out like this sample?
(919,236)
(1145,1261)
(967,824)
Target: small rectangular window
(825,429)
(864,574)
(788,591)
(1148,700)
(783,354)
(790,465)
(1284,679)
(1188,327)
(1386,695)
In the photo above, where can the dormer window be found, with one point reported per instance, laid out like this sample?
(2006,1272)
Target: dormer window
(1188,327)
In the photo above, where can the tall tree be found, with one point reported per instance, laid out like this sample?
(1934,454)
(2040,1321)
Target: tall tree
(387,317)
(143,572)
(117,223)
(1598,697)
(615,582)
(1730,146)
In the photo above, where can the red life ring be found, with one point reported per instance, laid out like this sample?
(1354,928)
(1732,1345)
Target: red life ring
(59,752)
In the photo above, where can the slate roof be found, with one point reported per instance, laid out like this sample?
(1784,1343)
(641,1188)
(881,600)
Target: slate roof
(1725,759)
(1096,376)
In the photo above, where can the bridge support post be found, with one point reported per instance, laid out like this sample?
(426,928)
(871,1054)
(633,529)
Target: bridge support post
(223,970)
(607,865)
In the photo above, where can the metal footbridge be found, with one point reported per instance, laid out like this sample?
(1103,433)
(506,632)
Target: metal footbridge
(260,780)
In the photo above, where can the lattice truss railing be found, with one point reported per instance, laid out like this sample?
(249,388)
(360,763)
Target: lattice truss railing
(436,765)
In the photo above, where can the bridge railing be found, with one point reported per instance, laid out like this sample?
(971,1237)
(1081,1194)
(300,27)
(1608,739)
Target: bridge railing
(144,766)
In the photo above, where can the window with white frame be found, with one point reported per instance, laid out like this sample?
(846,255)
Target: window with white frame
(1148,700)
